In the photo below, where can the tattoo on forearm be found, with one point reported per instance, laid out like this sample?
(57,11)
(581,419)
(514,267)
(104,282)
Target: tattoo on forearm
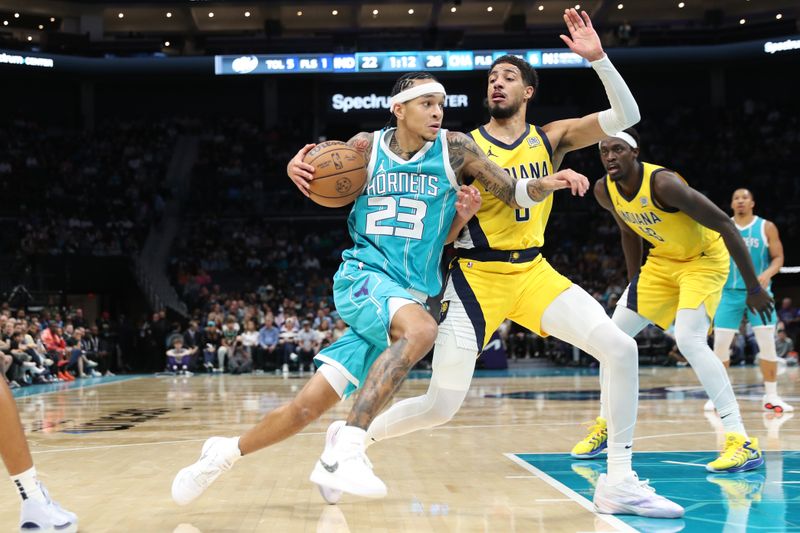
(536,191)
(465,152)
(385,377)
(362,143)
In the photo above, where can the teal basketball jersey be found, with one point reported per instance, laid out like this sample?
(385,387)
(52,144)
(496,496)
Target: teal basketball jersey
(755,237)
(400,221)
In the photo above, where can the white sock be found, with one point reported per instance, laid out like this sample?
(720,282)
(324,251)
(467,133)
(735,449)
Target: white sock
(28,486)
(350,436)
(619,463)
(771,388)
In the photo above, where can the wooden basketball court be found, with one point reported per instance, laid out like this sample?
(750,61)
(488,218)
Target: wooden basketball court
(108,450)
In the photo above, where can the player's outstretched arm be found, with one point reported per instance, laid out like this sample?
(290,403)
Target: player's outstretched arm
(573,134)
(467,159)
(632,245)
(302,173)
(671,191)
(775,253)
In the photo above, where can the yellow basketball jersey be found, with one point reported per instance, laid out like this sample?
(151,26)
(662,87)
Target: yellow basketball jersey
(497,226)
(673,234)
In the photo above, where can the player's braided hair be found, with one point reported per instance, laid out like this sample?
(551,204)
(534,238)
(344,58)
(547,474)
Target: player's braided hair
(404,82)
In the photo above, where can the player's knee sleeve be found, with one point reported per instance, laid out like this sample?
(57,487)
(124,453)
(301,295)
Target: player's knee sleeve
(765,337)
(722,343)
(629,321)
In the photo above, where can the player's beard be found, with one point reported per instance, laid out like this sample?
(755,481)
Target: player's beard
(501,113)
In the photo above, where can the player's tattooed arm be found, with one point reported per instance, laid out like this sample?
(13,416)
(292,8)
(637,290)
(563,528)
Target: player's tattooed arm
(467,159)
(362,143)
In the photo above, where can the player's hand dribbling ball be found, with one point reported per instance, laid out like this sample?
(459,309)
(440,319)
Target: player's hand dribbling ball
(331,173)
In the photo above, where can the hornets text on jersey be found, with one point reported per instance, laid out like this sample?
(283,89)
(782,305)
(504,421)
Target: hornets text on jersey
(400,222)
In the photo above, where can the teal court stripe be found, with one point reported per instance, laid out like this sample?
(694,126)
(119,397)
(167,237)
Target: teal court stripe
(86,383)
(611,520)
(761,500)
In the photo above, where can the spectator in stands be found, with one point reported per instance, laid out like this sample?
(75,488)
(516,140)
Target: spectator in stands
(324,334)
(287,341)
(230,339)
(308,344)
(339,329)
(56,351)
(77,318)
(96,351)
(212,340)
(178,357)
(192,337)
(267,344)
(249,338)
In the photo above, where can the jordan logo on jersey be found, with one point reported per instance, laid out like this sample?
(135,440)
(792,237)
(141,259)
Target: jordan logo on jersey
(489,152)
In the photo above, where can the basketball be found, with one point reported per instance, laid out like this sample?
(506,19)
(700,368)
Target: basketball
(339,175)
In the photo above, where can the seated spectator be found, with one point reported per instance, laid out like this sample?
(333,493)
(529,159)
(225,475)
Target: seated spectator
(229,341)
(267,343)
(212,340)
(286,339)
(57,351)
(178,357)
(308,343)
(95,349)
(324,334)
(338,330)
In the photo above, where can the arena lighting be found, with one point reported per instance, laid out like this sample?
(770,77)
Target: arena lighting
(30,38)
(490,9)
(620,6)
(334,12)
(246,13)
(778,16)
(742,21)
(169,14)
(299,13)
(577,6)
(52,19)
(374,12)
(541,7)
(5,23)
(41,27)
(166,43)
(16,15)
(681,5)
(411,11)
(121,15)
(211,14)
(453,9)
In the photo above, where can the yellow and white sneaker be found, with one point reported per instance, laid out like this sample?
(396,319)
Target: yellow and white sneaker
(738,455)
(594,443)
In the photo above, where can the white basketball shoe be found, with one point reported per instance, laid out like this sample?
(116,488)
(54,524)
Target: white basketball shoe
(633,496)
(344,466)
(46,516)
(218,455)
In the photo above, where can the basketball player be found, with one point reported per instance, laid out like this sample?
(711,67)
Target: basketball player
(398,225)
(766,251)
(682,279)
(39,513)
(500,273)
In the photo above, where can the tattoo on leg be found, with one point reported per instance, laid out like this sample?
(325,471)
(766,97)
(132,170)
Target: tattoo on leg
(385,377)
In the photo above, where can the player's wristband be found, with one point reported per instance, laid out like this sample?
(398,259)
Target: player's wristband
(521,194)
(755,290)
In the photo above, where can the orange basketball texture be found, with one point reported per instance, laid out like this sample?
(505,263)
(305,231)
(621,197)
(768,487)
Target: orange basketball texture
(339,173)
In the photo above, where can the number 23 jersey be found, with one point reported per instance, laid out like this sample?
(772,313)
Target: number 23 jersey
(400,221)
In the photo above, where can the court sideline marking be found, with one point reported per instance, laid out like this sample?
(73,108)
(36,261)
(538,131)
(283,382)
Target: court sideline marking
(121,379)
(611,520)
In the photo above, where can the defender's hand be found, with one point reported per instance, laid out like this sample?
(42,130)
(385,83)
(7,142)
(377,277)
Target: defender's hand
(761,303)
(583,39)
(468,201)
(301,173)
(576,182)
(764,280)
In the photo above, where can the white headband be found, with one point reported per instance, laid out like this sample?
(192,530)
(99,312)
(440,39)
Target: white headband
(415,92)
(625,137)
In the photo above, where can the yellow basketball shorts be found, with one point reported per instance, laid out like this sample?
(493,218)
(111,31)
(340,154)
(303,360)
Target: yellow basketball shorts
(665,285)
(487,292)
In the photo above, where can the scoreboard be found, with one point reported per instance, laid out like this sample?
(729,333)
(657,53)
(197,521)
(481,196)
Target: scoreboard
(448,60)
